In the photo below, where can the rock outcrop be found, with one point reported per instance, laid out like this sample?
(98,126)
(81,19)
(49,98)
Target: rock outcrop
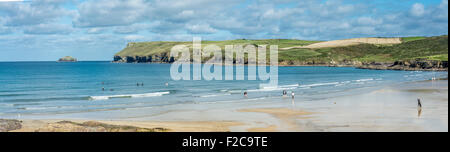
(162,58)
(67,59)
(411,65)
(93,126)
(9,125)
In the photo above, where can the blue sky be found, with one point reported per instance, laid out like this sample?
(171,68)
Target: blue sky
(45,30)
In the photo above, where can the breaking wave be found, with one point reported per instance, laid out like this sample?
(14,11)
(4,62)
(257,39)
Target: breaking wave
(154,94)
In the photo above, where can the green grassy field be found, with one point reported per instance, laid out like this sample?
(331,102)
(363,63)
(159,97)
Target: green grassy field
(156,48)
(408,39)
(431,48)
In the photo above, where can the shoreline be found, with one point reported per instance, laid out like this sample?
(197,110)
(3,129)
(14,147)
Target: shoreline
(299,65)
(390,108)
(364,66)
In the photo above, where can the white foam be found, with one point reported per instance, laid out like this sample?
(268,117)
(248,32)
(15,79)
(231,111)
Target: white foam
(213,95)
(289,86)
(363,80)
(277,88)
(320,84)
(154,94)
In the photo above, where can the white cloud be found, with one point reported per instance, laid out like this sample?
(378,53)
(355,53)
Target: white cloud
(33,13)
(11,0)
(134,37)
(369,21)
(418,10)
(49,29)
(96,30)
(131,29)
(200,28)
(110,13)
(4,30)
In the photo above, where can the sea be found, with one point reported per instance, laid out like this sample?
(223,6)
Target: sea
(51,88)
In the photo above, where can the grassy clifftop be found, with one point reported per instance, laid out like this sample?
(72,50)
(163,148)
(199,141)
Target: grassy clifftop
(431,48)
(410,48)
(157,48)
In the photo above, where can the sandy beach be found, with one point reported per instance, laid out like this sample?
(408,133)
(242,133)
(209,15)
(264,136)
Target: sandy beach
(390,108)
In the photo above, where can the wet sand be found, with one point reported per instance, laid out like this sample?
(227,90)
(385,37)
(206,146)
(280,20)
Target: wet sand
(391,108)
(287,117)
(123,126)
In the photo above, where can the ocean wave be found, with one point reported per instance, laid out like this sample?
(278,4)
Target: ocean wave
(38,108)
(154,94)
(213,95)
(276,88)
(13,95)
(43,99)
(364,80)
(289,86)
(233,91)
(263,89)
(255,99)
(320,84)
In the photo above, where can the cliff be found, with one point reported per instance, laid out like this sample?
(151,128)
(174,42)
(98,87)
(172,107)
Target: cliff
(410,53)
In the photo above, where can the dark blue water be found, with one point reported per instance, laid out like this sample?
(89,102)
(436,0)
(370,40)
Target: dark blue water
(51,87)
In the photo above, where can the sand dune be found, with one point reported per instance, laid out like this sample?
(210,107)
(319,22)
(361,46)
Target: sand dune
(349,42)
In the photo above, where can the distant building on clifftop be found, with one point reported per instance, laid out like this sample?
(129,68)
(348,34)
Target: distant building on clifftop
(67,59)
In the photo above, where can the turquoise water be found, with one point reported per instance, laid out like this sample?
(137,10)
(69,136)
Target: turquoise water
(51,87)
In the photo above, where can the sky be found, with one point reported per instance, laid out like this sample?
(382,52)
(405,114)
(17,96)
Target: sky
(45,30)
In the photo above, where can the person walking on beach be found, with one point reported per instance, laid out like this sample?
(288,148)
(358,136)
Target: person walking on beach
(419,107)
(284,93)
(293,95)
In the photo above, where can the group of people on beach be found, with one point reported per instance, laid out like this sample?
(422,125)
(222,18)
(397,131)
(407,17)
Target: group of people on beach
(284,94)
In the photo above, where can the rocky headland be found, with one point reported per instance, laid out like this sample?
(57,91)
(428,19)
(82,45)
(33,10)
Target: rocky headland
(412,53)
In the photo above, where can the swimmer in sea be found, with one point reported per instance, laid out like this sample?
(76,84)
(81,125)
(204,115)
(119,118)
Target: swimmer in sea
(245,94)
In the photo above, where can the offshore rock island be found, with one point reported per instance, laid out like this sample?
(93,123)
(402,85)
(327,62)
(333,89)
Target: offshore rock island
(67,59)
(407,53)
